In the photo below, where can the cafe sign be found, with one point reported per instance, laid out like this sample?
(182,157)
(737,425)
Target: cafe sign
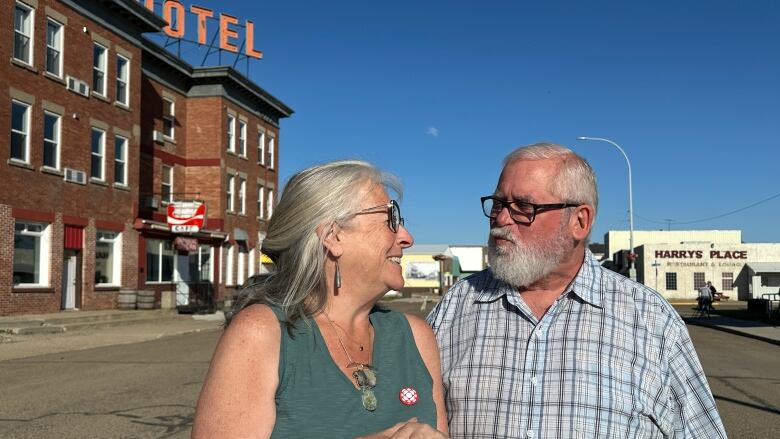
(174,12)
(186,216)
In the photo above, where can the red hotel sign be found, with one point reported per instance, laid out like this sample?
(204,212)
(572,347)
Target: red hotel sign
(227,33)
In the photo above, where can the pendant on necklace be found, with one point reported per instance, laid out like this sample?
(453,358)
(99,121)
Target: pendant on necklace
(361,348)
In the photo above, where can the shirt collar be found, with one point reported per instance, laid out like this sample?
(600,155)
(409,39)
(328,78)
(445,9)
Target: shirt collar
(585,285)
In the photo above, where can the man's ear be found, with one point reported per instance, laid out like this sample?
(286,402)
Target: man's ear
(332,239)
(582,221)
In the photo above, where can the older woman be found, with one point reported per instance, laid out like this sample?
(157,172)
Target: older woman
(309,354)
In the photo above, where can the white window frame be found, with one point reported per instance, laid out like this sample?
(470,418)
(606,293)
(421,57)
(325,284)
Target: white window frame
(241,272)
(121,179)
(24,132)
(251,265)
(270,204)
(164,183)
(28,33)
(123,77)
(271,151)
(116,253)
(100,154)
(45,244)
(54,141)
(231,133)
(241,138)
(169,118)
(99,70)
(260,201)
(231,250)
(54,46)
(205,249)
(231,181)
(242,195)
(160,246)
(261,147)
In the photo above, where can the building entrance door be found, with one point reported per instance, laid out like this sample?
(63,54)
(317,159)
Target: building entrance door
(183,278)
(70,279)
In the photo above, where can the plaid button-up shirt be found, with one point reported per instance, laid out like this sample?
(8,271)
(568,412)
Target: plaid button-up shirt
(610,358)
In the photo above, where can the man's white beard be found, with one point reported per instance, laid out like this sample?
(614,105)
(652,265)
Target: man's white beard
(521,264)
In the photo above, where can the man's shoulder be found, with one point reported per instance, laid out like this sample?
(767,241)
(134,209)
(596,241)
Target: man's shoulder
(474,284)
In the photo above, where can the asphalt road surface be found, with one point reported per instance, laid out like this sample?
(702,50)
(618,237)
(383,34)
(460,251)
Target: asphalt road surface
(149,389)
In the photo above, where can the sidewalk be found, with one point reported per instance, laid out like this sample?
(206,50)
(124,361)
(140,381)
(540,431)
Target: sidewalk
(39,334)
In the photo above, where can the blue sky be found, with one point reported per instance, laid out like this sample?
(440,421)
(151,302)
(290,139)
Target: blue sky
(438,92)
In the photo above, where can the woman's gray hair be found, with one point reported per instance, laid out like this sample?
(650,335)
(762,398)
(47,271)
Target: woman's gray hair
(314,200)
(575,181)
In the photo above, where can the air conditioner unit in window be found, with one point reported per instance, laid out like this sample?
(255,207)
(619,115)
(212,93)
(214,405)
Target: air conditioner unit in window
(77,86)
(151,202)
(75,176)
(158,136)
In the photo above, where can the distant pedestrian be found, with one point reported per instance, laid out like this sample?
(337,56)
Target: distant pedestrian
(705,298)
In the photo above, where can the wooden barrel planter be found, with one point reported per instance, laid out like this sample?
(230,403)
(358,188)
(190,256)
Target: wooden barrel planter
(126,299)
(145,299)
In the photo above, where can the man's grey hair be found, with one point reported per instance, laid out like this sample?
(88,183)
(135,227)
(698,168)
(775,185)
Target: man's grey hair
(574,182)
(313,201)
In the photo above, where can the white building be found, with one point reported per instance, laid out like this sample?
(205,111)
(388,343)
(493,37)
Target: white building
(676,263)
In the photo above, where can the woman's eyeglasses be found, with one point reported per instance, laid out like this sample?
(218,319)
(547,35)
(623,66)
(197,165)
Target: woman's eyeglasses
(394,219)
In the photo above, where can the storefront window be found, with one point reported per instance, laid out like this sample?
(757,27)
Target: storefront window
(159,261)
(200,264)
(107,254)
(30,254)
(728,282)
(671,281)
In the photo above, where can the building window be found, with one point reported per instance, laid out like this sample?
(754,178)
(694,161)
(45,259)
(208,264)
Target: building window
(698,280)
(169,118)
(727,283)
(200,264)
(122,80)
(229,265)
(167,184)
(671,281)
(31,251)
(241,273)
(251,264)
(242,138)
(99,69)
(260,201)
(159,261)
(271,151)
(242,195)
(107,258)
(231,133)
(261,148)
(23,33)
(270,207)
(98,153)
(51,140)
(229,192)
(20,131)
(120,160)
(54,48)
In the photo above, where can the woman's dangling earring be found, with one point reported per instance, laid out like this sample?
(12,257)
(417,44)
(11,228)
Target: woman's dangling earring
(338,276)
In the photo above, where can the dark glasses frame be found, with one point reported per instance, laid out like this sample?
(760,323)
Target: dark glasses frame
(521,212)
(394,218)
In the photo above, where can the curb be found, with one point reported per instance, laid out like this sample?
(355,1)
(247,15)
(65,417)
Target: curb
(698,322)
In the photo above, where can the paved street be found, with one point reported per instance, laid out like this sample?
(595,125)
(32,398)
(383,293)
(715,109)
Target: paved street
(149,389)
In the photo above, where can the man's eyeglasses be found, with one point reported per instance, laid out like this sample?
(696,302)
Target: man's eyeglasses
(520,211)
(394,219)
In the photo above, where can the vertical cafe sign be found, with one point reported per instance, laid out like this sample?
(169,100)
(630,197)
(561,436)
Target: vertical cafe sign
(174,12)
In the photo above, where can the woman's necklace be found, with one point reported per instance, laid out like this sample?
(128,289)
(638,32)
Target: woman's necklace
(364,374)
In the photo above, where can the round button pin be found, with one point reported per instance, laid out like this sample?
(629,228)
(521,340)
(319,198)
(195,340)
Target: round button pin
(408,396)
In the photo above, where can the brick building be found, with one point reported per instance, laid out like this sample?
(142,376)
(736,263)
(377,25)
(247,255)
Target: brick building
(104,129)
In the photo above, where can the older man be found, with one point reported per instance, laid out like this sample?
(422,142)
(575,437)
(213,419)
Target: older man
(548,344)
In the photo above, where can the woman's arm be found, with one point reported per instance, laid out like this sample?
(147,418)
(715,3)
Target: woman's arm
(237,399)
(429,350)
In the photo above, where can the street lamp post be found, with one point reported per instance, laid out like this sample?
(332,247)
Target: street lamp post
(631,269)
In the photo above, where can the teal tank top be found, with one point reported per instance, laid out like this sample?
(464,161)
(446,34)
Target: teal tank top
(316,400)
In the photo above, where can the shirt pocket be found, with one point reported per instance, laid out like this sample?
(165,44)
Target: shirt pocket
(606,401)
